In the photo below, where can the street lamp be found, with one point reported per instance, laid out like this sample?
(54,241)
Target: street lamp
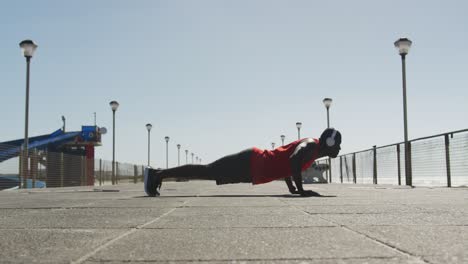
(114,105)
(186,156)
(148,127)
(167,151)
(28,47)
(327,102)
(178,154)
(403,45)
(272,145)
(282,139)
(298,125)
(192,157)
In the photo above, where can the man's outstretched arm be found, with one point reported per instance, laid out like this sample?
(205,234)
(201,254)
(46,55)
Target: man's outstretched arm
(290,185)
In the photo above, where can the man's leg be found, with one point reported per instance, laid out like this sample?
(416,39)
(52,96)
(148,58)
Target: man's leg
(229,169)
(153,178)
(189,172)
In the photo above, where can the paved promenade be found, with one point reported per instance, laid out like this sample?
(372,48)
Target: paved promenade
(199,222)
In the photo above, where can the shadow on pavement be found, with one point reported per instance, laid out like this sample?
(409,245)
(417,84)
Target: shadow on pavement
(239,195)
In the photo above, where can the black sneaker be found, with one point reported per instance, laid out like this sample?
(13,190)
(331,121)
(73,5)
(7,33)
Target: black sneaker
(153,182)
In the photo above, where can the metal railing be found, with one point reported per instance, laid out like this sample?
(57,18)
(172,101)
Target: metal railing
(56,169)
(438,160)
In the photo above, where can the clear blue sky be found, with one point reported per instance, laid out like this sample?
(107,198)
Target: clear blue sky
(222,76)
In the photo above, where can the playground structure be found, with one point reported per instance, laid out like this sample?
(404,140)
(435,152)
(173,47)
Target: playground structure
(67,157)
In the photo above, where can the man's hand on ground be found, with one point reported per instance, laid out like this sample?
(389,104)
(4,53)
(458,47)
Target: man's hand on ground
(294,191)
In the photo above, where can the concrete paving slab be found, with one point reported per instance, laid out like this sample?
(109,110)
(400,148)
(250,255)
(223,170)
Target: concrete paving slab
(50,246)
(380,260)
(234,200)
(242,244)
(422,240)
(397,219)
(236,221)
(362,209)
(447,259)
(103,218)
(234,211)
(137,202)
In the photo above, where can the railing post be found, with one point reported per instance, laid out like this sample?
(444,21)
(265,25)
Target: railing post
(326,173)
(341,169)
(116,172)
(354,168)
(329,169)
(410,165)
(447,160)
(85,168)
(399,163)
(135,174)
(20,172)
(34,164)
(46,168)
(62,169)
(100,172)
(82,170)
(142,172)
(375,165)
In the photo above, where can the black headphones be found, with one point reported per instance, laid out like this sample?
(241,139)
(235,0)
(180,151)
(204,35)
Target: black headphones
(331,140)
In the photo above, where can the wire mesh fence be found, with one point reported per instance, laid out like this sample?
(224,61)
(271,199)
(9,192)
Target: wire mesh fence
(439,160)
(42,168)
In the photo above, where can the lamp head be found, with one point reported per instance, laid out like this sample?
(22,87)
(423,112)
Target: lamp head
(28,47)
(403,45)
(149,126)
(114,105)
(327,102)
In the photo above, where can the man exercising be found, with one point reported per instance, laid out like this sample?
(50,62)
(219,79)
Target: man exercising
(255,165)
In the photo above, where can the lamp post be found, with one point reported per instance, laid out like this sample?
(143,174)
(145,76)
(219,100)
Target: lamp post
(148,127)
(178,154)
(114,105)
(272,145)
(186,156)
(403,45)
(327,102)
(192,157)
(282,139)
(167,151)
(27,47)
(298,125)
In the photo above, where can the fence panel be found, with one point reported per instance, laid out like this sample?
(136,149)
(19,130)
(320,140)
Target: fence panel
(387,165)
(459,159)
(364,167)
(428,162)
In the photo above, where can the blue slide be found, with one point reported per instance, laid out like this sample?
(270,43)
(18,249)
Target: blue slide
(11,149)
